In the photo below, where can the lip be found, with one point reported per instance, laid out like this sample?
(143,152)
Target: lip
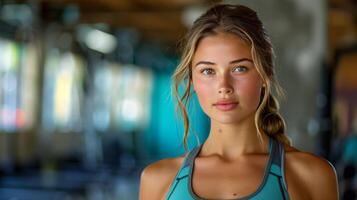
(226,106)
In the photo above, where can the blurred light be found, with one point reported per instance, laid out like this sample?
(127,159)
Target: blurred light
(10,83)
(29,87)
(9,55)
(101,119)
(100,40)
(103,83)
(64,84)
(190,14)
(313,127)
(8,116)
(20,118)
(17,13)
(130,110)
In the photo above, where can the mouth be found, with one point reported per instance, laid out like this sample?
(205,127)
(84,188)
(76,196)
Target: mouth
(226,106)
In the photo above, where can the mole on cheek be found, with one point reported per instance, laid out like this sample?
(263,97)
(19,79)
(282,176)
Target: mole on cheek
(219,130)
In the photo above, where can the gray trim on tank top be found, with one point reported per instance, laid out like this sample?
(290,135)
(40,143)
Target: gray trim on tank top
(276,153)
(191,156)
(273,153)
(283,167)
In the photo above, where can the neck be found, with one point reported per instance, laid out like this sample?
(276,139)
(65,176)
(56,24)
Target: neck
(231,141)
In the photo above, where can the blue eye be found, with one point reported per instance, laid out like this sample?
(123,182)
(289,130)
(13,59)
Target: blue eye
(240,69)
(207,71)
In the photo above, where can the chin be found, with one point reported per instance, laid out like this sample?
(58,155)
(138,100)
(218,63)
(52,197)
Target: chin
(231,118)
(226,119)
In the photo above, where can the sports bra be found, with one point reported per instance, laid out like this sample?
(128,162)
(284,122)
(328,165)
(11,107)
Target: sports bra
(273,185)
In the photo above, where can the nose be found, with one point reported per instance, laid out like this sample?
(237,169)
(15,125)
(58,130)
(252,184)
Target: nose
(225,87)
(225,90)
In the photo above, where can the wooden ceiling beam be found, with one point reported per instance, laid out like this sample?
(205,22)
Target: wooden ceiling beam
(129,5)
(110,5)
(169,4)
(157,21)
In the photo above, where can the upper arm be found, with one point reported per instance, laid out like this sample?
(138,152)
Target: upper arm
(149,183)
(324,184)
(310,177)
(156,179)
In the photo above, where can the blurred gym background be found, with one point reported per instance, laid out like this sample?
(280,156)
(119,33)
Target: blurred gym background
(85,99)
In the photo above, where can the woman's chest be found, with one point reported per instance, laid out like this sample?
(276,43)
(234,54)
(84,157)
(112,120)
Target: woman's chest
(227,181)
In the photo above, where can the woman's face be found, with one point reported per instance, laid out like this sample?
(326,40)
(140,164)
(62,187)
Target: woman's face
(225,79)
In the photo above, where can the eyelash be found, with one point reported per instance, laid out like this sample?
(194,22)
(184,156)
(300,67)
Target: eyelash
(202,71)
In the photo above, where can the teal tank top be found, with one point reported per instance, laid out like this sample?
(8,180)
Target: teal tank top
(273,185)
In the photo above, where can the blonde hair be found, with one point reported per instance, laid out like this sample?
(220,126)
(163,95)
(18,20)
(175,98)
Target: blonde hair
(244,23)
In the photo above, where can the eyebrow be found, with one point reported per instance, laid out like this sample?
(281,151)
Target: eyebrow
(232,62)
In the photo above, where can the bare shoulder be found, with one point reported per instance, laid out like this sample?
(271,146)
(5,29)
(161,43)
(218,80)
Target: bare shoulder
(156,178)
(314,174)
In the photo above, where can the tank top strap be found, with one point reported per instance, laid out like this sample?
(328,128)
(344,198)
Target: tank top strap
(184,169)
(189,158)
(278,153)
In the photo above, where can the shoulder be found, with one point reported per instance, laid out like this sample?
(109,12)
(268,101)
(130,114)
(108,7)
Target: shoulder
(317,174)
(156,178)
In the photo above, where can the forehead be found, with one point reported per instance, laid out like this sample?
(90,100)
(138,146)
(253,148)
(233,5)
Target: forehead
(222,46)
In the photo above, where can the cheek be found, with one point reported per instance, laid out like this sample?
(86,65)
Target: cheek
(203,91)
(249,92)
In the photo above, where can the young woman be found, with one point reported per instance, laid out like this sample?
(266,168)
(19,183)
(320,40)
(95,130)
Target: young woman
(228,63)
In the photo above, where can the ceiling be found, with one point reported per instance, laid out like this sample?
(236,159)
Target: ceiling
(154,19)
(161,19)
